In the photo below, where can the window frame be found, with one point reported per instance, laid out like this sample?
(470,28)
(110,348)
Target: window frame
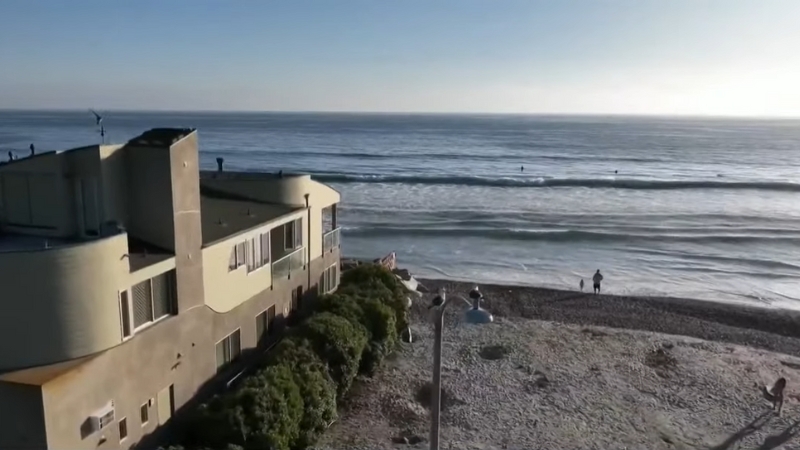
(266,256)
(269,324)
(222,367)
(296,226)
(287,246)
(144,413)
(252,253)
(172,297)
(123,422)
(296,298)
(130,327)
(327,283)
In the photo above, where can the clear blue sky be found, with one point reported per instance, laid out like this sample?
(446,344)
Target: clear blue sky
(731,57)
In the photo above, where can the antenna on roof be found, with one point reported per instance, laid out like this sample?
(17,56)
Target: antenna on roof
(99,122)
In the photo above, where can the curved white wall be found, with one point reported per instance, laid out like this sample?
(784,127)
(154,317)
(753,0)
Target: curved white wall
(289,190)
(61,303)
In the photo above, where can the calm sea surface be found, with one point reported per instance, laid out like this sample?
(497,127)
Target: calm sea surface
(700,208)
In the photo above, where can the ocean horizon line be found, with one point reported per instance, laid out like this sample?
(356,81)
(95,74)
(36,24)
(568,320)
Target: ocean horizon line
(733,117)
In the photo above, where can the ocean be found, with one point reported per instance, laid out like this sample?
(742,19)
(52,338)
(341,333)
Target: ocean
(697,208)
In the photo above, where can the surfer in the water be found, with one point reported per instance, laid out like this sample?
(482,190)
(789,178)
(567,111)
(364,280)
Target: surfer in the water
(522,168)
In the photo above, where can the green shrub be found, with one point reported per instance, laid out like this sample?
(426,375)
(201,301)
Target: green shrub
(341,304)
(378,282)
(381,325)
(264,411)
(361,307)
(292,350)
(317,389)
(180,447)
(339,343)
(319,402)
(366,274)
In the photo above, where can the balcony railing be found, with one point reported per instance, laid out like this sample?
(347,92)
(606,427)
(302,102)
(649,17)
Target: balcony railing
(283,267)
(331,240)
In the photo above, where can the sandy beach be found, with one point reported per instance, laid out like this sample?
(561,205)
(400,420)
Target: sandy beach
(562,369)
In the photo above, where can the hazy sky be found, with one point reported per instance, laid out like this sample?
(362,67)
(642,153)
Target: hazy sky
(723,57)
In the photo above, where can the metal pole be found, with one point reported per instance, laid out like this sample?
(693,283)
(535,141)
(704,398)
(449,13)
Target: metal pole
(436,386)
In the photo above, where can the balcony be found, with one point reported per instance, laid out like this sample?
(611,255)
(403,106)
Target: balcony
(331,240)
(293,262)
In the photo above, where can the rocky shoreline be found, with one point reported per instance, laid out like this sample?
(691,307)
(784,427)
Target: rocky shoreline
(771,329)
(562,369)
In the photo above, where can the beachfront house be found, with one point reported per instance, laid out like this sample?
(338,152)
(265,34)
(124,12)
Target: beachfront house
(133,282)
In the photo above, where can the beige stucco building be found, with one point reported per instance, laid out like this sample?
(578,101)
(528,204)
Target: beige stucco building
(133,283)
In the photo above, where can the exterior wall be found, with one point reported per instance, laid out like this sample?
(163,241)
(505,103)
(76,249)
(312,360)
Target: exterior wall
(149,181)
(188,232)
(168,352)
(290,190)
(35,196)
(61,303)
(225,289)
(287,190)
(114,182)
(178,351)
(21,417)
(148,272)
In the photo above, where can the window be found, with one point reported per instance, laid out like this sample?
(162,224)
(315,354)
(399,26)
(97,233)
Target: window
(228,349)
(152,300)
(125,313)
(123,429)
(297,295)
(240,254)
(144,413)
(232,261)
(293,235)
(265,323)
(265,248)
(329,279)
(253,253)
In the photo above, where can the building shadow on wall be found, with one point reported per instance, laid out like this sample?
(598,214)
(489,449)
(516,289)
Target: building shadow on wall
(251,359)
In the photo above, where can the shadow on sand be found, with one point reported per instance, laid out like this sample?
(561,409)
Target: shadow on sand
(770,442)
(747,430)
(776,440)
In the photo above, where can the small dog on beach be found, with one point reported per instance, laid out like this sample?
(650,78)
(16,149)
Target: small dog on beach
(775,394)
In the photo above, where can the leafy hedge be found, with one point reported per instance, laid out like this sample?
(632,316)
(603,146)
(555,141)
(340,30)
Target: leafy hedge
(291,398)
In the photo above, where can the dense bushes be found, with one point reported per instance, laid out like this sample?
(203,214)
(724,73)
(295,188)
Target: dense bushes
(264,412)
(374,316)
(291,398)
(374,281)
(339,343)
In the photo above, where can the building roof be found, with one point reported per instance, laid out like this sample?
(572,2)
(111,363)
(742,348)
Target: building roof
(161,136)
(13,242)
(223,217)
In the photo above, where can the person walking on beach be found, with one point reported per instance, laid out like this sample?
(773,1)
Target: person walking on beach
(581,284)
(597,278)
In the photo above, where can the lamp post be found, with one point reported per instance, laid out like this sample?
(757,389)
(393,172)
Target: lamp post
(475,315)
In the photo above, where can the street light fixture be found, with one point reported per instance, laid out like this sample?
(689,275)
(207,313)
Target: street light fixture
(475,315)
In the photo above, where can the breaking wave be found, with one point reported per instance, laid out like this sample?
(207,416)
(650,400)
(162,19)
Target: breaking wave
(563,235)
(608,183)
